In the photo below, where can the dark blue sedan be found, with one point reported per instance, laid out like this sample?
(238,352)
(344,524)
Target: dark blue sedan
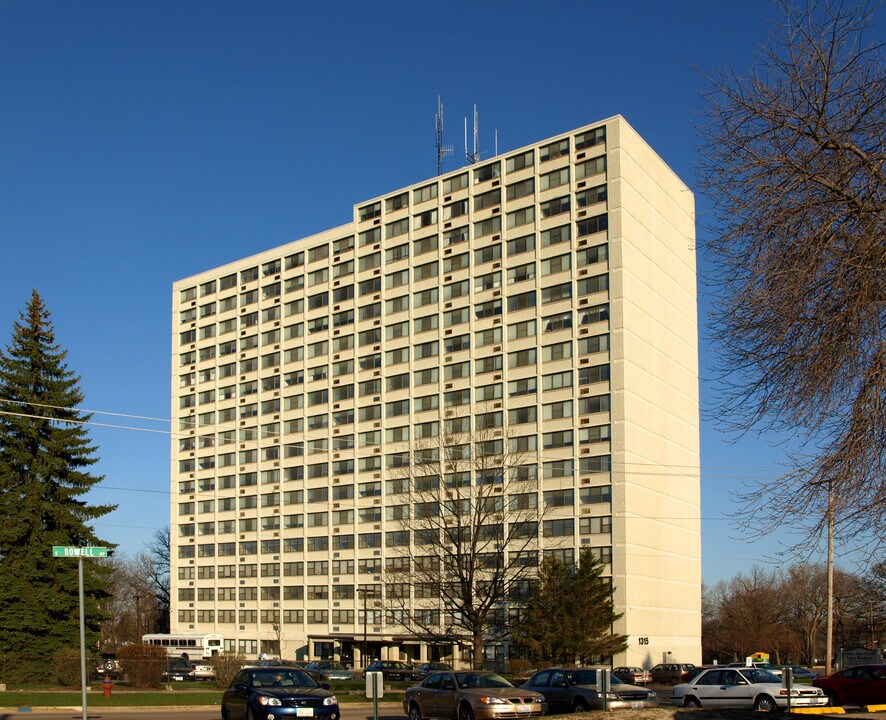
(264,693)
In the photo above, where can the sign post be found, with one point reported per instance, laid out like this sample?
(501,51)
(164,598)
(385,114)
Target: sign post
(80,553)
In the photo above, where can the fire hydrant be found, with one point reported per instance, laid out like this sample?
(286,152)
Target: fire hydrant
(106,684)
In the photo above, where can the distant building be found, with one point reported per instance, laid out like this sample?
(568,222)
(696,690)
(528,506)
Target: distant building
(555,284)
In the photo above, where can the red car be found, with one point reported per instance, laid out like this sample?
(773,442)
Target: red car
(859,685)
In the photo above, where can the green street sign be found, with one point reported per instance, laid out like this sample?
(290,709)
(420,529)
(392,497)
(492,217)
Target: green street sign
(70,551)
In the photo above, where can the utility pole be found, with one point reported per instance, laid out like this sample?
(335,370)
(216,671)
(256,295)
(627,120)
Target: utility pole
(829,645)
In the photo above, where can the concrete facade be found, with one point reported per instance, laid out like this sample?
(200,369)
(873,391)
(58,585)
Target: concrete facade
(554,286)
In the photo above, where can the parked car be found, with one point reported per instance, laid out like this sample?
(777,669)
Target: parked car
(801,673)
(569,690)
(393,670)
(632,675)
(178,670)
(269,692)
(774,669)
(744,687)
(669,673)
(470,695)
(429,668)
(689,675)
(859,685)
(108,665)
(203,670)
(328,670)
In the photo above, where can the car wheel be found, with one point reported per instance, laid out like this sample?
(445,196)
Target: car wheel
(833,698)
(465,712)
(580,706)
(109,665)
(764,703)
(225,714)
(414,711)
(691,702)
(249,714)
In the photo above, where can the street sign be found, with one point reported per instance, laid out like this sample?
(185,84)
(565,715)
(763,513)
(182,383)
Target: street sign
(70,551)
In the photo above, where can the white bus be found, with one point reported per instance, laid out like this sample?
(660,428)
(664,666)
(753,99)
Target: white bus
(192,647)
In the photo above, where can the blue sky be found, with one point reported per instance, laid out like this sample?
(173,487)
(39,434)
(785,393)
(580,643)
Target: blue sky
(142,142)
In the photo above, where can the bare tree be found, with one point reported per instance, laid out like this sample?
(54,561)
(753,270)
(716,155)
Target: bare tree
(468,542)
(154,566)
(132,609)
(793,162)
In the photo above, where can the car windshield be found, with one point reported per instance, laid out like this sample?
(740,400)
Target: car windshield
(395,665)
(476,680)
(589,677)
(283,678)
(758,675)
(332,666)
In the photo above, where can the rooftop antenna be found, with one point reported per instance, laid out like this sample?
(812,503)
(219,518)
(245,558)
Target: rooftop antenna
(442,150)
(473,157)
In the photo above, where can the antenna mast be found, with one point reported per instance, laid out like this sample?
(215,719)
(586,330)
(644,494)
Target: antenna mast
(475,156)
(442,150)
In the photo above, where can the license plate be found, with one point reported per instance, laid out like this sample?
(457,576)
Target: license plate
(524,708)
(304,712)
(636,705)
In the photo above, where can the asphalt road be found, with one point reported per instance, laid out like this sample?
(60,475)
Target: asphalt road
(349,711)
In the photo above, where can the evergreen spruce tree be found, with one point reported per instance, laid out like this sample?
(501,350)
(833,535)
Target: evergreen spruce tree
(569,614)
(45,454)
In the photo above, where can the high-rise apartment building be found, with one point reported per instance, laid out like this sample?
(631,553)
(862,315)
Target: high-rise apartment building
(543,305)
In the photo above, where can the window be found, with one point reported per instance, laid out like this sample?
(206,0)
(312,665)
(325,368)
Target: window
(556,293)
(454,290)
(590,168)
(556,381)
(593,404)
(456,262)
(426,403)
(521,217)
(488,364)
(554,150)
(424,324)
(593,344)
(487,172)
(522,358)
(518,162)
(598,223)
(423,194)
(367,212)
(456,317)
(557,410)
(456,235)
(556,235)
(598,433)
(487,337)
(590,138)
(594,374)
(591,197)
(487,200)
(519,416)
(428,270)
(398,202)
(558,351)
(340,246)
(595,284)
(555,179)
(453,184)
(489,226)
(456,343)
(558,439)
(368,262)
(552,323)
(521,301)
(424,245)
(526,386)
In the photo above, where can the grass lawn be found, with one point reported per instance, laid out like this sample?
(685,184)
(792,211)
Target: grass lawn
(188,694)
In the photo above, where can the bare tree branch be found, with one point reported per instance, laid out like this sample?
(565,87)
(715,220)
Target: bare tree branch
(793,162)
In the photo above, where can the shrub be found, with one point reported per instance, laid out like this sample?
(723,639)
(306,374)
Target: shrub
(520,668)
(143,665)
(66,667)
(226,667)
